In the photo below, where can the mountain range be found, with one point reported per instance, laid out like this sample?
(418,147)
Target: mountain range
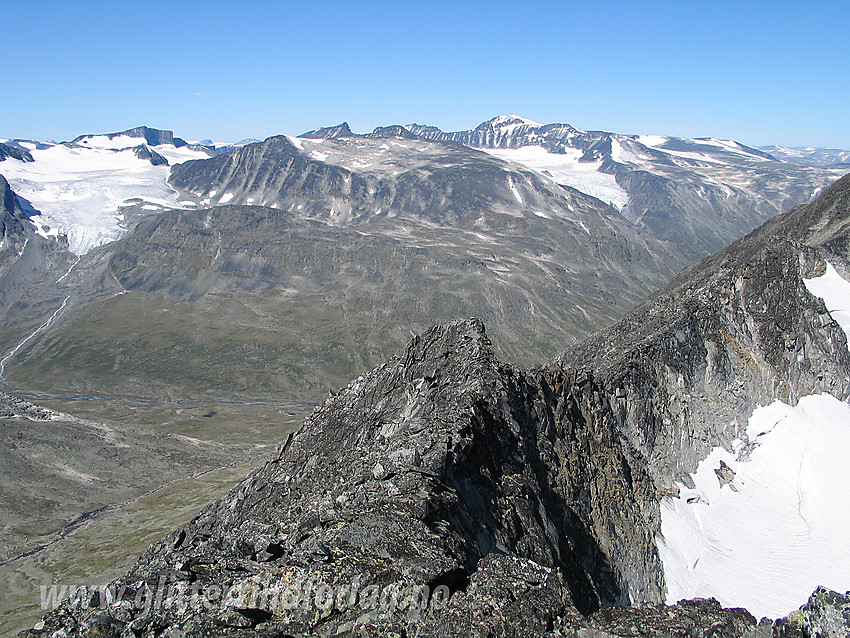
(808,154)
(681,427)
(318,255)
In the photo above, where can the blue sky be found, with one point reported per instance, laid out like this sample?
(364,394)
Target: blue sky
(758,72)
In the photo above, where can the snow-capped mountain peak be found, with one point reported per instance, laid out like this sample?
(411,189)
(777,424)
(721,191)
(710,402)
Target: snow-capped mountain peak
(131,137)
(508,121)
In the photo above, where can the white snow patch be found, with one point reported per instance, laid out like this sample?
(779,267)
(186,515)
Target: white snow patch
(652,140)
(785,527)
(623,155)
(43,228)
(566,169)
(176,155)
(316,155)
(225,198)
(691,155)
(296,142)
(835,292)
(116,143)
(514,190)
(507,123)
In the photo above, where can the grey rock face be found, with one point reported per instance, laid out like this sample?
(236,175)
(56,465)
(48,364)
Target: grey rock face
(698,617)
(395,130)
(145,152)
(735,331)
(13,222)
(511,131)
(329,132)
(352,181)
(825,615)
(15,153)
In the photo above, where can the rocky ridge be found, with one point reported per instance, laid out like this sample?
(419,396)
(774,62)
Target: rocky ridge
(13,222)
(527,498)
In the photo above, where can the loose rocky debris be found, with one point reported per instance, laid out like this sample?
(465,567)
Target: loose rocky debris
(12,407)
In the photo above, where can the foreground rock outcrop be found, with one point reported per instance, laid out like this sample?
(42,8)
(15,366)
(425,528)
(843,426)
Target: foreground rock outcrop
(445,493)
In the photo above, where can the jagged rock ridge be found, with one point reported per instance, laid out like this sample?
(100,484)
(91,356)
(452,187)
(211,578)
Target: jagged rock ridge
(13,221)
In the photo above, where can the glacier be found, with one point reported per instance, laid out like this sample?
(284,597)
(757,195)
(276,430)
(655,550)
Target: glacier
(79,189)
(764,537)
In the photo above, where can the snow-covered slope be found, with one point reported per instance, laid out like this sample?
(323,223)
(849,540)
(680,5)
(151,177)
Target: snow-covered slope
(767,522)
(565,168)
(78,189)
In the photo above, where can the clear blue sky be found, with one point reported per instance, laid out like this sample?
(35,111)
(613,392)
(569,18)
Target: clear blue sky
(759,72)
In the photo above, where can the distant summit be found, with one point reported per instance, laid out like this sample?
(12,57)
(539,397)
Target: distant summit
(329,132)
(152,136)
(509,120)
(809,155)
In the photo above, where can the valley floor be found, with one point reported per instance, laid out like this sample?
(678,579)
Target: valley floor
(147,468)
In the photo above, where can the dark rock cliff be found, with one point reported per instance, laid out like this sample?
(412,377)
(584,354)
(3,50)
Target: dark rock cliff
(29,266)
(13,222)
(14,152)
